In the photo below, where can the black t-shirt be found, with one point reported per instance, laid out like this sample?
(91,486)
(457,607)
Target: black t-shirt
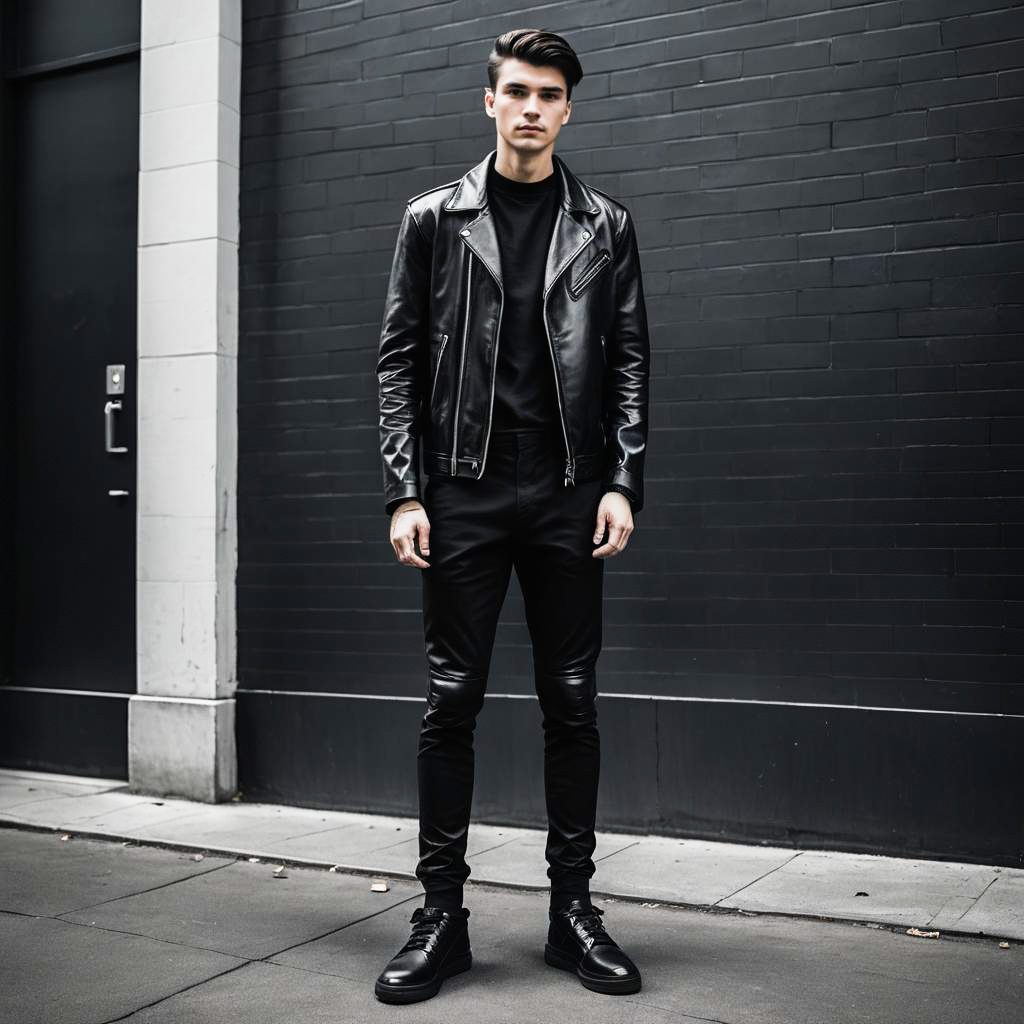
(524,389)
(524,216)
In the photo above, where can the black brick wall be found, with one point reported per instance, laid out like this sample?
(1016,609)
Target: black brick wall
(830,205)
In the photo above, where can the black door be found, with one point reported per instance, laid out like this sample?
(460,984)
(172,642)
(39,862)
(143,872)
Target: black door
(71,99)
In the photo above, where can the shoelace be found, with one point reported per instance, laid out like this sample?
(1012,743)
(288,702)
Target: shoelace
(424,929)
(590,921)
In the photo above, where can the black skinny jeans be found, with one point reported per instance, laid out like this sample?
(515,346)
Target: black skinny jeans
(521,514)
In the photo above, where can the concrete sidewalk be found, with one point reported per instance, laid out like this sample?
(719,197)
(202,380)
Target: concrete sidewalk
(96,931)
(954,899)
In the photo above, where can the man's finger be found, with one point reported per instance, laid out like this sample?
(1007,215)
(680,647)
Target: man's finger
(602,516)
(408,554)
(425,538)
(614,545)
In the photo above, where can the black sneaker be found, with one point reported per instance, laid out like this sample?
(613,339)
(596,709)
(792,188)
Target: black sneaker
(437,948)
(578,942)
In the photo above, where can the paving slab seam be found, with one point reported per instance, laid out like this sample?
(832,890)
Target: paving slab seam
(974,902)
(178,992)
(498,846)
(761,878)
(678,1013)
(597,893)
(62,919)
(126,931)
(142,892)
(247,961)
(613,853)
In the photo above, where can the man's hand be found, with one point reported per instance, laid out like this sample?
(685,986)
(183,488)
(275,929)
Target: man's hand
(408,520)
(617,512)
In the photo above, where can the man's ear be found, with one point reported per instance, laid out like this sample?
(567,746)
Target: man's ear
(489,107)
(568,110)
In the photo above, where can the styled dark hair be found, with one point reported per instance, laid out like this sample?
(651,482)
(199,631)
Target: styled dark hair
(539,48)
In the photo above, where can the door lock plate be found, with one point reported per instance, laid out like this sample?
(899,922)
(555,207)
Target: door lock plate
(115,379)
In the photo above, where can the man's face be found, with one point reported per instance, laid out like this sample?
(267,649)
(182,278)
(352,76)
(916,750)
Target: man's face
(529,105)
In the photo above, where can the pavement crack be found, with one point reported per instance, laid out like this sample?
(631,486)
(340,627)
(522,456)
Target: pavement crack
(319,831)
(333,931)
(177,992)
(34,800)
(390,846)
(922,983)
(938,915)
(778,867)
(628,846)
(142,892)
(678,1013)
(128,931)
(311,970)
(496,846)
(995,878)
(209,949)
(70,826)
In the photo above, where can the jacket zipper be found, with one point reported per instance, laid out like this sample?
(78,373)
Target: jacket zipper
(462,366)
(577,288)
(437,368)
(494,375)
(570,459)
(494,368)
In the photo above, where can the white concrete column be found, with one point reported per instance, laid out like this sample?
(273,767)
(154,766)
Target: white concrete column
(181,735)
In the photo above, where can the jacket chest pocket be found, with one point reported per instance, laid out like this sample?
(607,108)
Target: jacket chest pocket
(588,274)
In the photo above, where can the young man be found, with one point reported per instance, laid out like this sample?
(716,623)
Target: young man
(514,359)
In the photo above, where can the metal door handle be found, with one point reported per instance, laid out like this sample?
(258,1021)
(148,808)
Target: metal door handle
(108,422)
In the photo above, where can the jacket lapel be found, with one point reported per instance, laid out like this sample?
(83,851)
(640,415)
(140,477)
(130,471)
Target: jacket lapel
(478,235)
(568,238)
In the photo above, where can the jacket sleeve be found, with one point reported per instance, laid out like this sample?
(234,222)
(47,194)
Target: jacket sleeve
(629,356)
(401,362)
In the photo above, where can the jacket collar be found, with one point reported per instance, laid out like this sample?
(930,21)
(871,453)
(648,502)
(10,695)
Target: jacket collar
(471,193)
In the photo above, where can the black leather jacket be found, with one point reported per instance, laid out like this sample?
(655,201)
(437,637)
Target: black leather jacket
(442,318)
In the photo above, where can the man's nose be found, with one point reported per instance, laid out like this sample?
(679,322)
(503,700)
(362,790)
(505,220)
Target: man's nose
(532,105)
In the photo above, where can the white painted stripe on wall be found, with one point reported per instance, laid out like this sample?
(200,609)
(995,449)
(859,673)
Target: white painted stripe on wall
(654,696)
(68,692)
(529,696)
(202,701)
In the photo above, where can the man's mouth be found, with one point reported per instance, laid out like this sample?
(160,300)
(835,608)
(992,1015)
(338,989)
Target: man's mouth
(530,128)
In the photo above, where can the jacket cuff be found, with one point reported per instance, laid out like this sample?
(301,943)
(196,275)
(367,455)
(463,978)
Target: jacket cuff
(410,493)
(621,489)
(627,483)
